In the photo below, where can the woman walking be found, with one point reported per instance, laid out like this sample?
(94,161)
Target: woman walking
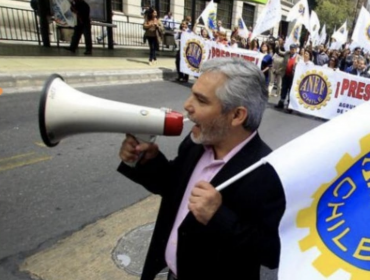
(153,32)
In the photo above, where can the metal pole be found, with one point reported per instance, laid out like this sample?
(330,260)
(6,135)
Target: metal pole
(109,20)
(44,11)
(193,14)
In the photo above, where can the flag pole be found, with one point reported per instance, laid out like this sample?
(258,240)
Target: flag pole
(241,174)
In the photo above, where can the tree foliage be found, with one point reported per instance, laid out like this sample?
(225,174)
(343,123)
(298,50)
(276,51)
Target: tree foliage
(334,13)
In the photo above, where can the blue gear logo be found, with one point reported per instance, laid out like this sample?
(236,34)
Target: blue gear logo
(313,90)
(194,54)
(339,218)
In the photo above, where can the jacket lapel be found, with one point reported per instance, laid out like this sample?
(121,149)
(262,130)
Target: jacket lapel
(243,159)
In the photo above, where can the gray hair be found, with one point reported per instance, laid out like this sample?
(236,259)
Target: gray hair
(245,86)
(361,58)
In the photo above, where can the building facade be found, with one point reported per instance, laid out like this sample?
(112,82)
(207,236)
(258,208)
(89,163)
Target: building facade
(227,11)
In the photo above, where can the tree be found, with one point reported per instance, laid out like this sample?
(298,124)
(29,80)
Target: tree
(335,12)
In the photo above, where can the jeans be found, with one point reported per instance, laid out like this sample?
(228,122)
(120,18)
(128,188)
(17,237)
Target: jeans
(153,46)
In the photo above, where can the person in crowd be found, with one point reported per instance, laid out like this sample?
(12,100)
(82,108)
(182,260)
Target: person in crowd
(288,70)
(188,21)
(235,32)
(204,34)
(219,27)
(202,233)
(169,21)
(233,43)
(361,69)
(254,45)
(320,56)
(266,61)
(307,57)
(182,77)
(349,59)
(300,54)
(342,59)
(333,63)
(277,67)
(221,38)
(153,32)
(349,69)
(82,11)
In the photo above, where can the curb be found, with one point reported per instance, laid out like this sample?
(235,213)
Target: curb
(17,83)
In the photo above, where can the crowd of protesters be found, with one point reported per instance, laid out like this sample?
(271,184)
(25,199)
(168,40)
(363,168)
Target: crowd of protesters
(278,64)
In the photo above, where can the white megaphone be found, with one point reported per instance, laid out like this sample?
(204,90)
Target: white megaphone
(64,111)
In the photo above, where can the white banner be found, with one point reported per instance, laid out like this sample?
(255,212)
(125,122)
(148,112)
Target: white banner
(194,50)
(325,174)
(325,93)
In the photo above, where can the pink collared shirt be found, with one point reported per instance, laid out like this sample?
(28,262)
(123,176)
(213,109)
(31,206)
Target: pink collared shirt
(206,168)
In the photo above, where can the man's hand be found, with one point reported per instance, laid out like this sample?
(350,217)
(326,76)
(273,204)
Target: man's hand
(131,150)
(204,201)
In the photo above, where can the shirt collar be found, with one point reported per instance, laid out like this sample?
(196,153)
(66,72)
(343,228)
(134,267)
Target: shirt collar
(233,152)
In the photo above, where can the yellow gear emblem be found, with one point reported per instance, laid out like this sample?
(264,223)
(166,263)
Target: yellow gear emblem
(313,90)
(339,218)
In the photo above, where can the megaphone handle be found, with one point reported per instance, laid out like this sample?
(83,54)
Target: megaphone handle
(141,138)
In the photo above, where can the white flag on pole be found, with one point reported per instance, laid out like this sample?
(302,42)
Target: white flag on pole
(315,27)
(341,34)
(300,12)
(270,16)
(209,16)
(362,31)
(325,174)
(242,28)
(323,35)
(294,36)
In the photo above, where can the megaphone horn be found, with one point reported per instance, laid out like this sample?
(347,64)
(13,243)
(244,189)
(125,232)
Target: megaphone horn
(65,111)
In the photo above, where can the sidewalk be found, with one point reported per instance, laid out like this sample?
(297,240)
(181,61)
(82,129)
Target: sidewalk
(25,67)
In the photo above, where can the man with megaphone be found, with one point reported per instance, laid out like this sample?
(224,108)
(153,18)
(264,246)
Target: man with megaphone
(202,233)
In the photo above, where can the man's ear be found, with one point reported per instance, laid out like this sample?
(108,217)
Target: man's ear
(240,114)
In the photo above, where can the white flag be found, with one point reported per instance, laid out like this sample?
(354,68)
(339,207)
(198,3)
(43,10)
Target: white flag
(242,28)
(325,174)
(341,34)
(209,16)
(270,16)
(294,36)
(323,35)
(362,31)
(300,12)
(315,27)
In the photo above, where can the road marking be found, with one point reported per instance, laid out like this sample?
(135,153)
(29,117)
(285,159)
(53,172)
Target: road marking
(14,162)
(15,157)
(40,144)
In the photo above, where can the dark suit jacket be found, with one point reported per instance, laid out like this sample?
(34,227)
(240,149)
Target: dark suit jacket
(364,74)
(243,233)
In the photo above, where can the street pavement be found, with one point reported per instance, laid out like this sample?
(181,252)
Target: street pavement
(26,67)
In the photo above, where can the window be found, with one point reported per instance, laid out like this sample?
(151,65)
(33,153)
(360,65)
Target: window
(117,5)
(199,7)
(164,7)
(248,14)
(224,12)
